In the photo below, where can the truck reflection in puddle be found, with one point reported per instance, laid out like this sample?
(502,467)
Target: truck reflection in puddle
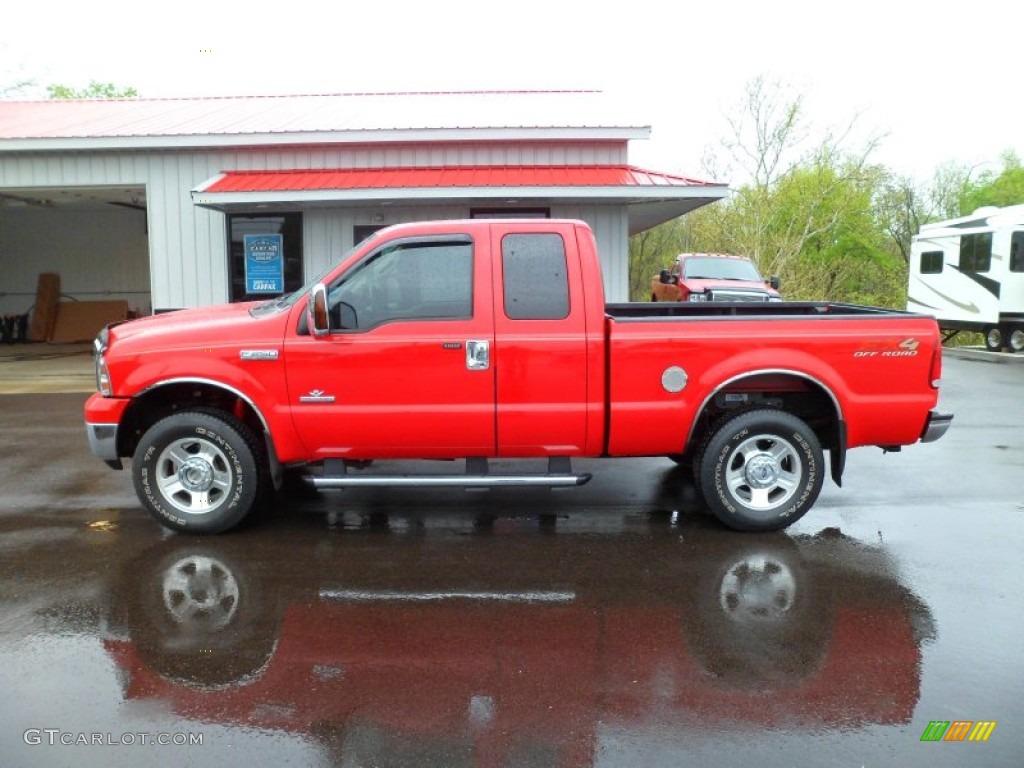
(507,646)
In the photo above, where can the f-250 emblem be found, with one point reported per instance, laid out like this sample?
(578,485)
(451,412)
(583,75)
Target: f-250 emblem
(316,396)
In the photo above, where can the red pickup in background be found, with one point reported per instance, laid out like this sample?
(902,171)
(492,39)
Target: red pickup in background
(485,339)
(713,277)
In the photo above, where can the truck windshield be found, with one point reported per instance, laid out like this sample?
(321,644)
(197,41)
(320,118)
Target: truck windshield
(720,269)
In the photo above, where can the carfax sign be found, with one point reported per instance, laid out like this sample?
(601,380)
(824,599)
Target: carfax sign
(264,263)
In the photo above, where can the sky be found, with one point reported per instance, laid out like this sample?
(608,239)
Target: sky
(933,79)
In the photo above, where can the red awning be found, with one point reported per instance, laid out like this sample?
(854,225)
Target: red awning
(550,176)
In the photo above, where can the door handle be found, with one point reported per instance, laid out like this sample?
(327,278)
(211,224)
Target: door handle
(478,355)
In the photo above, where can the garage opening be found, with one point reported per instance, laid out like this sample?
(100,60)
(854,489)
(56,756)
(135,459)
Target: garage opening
(94,239)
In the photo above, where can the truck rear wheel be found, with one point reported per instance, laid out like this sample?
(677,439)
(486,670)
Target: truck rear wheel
(198,471)
(761,470)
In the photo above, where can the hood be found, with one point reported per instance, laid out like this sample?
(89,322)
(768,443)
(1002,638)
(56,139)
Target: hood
(203,326)
(699,285)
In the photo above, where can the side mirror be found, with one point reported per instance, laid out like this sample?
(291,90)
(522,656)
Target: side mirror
(667,278)
(316,311)
(774,282)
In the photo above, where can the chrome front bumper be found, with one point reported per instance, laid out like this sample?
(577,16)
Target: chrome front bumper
(936,426)
(103,443)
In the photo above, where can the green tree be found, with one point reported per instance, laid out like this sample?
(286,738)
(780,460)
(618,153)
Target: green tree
(1002,189)
(806,211)
(15,89)
(94,90)
(949,184)
(649,253)
(900,209)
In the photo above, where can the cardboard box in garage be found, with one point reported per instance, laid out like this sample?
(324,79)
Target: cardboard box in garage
(82,320)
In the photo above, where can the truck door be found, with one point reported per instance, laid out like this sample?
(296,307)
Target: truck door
(540,339)
(406,370)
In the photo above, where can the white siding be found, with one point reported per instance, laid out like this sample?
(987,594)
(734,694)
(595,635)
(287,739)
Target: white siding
(327,235)
(611,231)
(327,232)
(99,255)
(188,245)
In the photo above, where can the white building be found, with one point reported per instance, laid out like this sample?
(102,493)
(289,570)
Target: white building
(148,200)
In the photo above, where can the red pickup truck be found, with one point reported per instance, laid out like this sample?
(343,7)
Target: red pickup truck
(713,277)
(490,339)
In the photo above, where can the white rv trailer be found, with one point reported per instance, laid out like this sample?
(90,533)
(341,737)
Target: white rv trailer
(969,274)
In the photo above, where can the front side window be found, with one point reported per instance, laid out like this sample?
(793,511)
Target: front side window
(976,252)
(536,277)
(1017,252)
(405,281)
(931,262)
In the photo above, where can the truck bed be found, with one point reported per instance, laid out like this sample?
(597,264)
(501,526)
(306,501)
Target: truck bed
(873,364)
(700,310)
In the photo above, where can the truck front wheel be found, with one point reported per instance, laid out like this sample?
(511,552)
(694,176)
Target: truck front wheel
(198,471)
(761,470)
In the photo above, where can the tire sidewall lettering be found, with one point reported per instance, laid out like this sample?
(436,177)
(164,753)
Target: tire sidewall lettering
(716,465)
(229,439)
(238,477)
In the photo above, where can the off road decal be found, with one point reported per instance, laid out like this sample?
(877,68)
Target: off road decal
(906,348)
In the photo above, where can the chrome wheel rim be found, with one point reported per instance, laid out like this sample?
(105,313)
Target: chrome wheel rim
(764,472)
(194,476)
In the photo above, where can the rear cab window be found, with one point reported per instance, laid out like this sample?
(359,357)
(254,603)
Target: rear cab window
(536,280)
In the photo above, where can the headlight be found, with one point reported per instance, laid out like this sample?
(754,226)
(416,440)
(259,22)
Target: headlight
(774,298)
(698,297)
(100,364)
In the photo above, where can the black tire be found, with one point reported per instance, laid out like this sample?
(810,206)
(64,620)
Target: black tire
(993,338)
(198,471)
(1015,338)
(761,470)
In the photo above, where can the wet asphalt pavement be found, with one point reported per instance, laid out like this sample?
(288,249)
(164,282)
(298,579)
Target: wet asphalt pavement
(613,625)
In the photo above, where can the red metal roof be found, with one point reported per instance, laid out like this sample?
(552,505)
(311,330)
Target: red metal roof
(93,119)
(440,177)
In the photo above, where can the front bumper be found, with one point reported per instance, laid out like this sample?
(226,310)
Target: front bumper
(936,426)
(102,417)
(103,443)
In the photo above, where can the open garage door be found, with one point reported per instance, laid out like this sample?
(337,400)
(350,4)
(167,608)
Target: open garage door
(95,239)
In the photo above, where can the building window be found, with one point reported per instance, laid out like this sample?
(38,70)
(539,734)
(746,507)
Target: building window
(976,252)
(275,238)
(1017,252)
(510,213)
(406,281)
(931,262)
(535,276)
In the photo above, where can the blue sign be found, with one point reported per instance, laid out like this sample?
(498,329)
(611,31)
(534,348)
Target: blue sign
(264,263)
